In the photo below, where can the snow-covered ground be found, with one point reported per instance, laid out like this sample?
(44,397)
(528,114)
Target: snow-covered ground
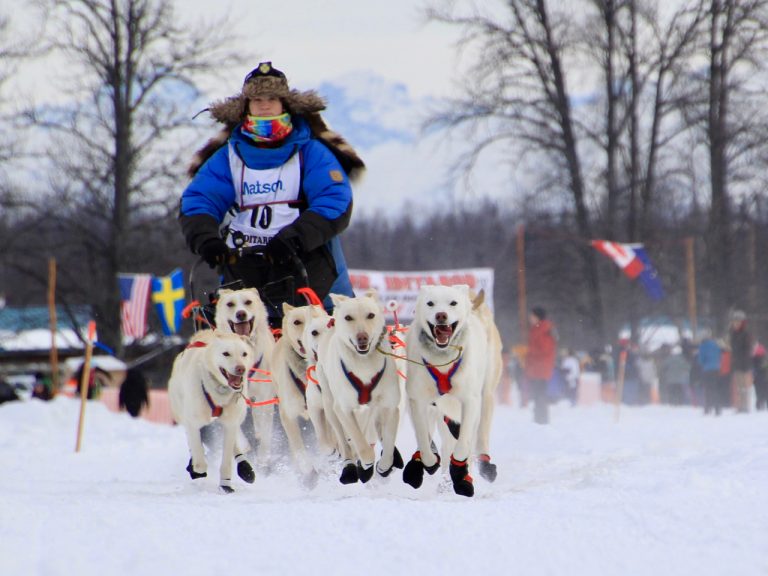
(664,491)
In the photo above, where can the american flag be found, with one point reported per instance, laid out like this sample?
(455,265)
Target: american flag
(134,296)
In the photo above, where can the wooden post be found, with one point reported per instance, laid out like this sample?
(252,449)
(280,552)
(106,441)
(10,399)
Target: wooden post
(84,379)
(522,305)
(54,353)
(690,269)
(620,383)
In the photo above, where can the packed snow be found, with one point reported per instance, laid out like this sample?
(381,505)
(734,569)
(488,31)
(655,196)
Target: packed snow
(662,491)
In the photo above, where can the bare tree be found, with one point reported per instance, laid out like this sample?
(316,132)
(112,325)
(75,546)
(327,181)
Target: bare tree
(116,150)
(517,89)
(731,116)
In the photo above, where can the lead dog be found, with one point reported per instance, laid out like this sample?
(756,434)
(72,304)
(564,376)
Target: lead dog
(448,345)
(243,312)
(364,384)
(207,382)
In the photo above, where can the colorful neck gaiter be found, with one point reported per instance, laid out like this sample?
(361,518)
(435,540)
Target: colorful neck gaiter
(267,129)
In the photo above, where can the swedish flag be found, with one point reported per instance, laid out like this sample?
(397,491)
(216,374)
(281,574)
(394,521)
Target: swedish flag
(168,298)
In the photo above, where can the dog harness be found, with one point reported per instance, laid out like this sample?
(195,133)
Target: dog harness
(300,384)
(216,410)
(364,391)
(442,379)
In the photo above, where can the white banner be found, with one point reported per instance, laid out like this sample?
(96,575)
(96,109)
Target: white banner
(403,287)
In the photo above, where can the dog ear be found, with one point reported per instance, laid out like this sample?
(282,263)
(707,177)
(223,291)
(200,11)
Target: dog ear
(477,299)
(286,308)
(338,299)
(372,293)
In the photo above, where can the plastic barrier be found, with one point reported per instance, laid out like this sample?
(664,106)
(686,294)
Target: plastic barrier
(159,406)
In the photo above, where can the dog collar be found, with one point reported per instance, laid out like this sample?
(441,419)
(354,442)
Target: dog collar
(443,379)
(364,390)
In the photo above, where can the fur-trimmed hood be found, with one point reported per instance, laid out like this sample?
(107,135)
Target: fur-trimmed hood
(265,80)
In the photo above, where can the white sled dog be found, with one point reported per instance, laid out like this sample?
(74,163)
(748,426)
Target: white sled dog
(289,374)
(320,400)
(243,312)
(364,384)
(207,382)
(447,379)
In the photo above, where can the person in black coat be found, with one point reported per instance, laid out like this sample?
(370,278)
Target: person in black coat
(134,393)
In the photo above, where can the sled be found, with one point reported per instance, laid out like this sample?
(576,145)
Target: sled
(292,289)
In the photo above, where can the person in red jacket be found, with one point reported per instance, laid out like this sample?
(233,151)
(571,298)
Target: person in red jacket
(540,361)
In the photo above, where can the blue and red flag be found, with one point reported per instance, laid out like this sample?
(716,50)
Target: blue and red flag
(634,262)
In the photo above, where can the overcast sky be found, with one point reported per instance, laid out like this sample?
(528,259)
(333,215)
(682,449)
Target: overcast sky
(314,40)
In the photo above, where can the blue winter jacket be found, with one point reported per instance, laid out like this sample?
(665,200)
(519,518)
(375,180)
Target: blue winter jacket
(709,355)
(324,188)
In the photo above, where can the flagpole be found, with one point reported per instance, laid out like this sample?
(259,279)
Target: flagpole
(84,381)
(522,306)
(690,268)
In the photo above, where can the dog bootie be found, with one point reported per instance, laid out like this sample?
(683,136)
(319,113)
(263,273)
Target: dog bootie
(226,489)
(195,475)
(348,473)
(413,474)
(462,481)
(486,468)
(397,462)
(397,459)
(244,469)
(364,474)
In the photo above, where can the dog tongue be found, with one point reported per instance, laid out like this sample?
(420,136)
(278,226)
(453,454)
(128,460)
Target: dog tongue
(242,328)
(234,380)
(443,333)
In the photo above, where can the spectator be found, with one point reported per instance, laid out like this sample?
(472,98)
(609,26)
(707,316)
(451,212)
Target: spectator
(97,378)
(648,376)
(674,376)
(134,393)
(7,393)
(726,398)
(540,361)
(43,387)
(741,360)
(633,388)
(709,360)
(571,372)
(760,370)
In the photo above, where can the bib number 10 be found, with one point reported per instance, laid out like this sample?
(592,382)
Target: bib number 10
(261,217)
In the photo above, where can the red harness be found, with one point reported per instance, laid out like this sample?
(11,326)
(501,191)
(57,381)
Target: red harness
(364,390)
(442,379)
(216,410)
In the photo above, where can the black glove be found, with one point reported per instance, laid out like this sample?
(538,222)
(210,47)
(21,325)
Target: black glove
(214,251)
(279,251)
